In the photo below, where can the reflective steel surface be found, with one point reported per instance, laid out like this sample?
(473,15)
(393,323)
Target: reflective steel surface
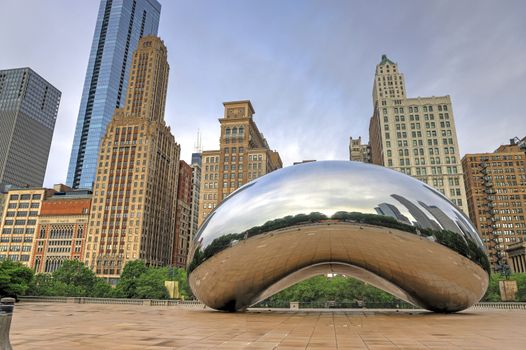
(366,221)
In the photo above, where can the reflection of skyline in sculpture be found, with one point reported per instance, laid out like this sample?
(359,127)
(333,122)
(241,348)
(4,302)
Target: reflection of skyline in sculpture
(421,219)
(441,217)
(362,220)
(462,221)
(387,209)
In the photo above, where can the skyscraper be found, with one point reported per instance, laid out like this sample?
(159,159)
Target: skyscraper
(28,111)
(183,215)
(133,210)
(244,155)
(196,187)
(120,25)
(415,136)
(496,193)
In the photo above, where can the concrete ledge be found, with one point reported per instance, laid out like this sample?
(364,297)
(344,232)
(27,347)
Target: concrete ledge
(198,304)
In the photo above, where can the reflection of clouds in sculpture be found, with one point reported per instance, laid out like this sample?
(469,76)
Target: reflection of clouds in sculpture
(361,192)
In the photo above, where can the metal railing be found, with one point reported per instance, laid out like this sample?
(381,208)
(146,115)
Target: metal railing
(502,306)
(302,305)
(121,301)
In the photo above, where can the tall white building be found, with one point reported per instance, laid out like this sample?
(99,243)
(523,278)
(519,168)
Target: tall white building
(416,136)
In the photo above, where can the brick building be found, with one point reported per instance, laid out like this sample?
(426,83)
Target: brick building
(61,230)
(496,195)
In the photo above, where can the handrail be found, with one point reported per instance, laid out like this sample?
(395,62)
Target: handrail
(198,304)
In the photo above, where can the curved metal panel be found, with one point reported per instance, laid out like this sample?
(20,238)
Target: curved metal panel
(367,221)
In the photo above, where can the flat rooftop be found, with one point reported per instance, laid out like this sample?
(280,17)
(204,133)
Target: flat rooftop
(91,326)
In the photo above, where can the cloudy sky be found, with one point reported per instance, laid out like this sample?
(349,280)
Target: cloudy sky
(307,66)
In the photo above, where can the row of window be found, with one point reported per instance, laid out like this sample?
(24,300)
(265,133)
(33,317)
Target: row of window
(18,230)
(25,197)
(15,248)
(20,222)
(495,157)
(23,257)
(16,239)
(234,150)
(23,205)
(417,125)
(21,213)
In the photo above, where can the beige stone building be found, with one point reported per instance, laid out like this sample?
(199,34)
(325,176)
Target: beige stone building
(244,155)
(496,195)
(183,216)
(516,253)
(416,136)
(19,223)
(359,152)
(135,191)
(3,198)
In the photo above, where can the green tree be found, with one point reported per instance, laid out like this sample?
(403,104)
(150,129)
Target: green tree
(15,278)
(76,277)
(72,279)
(521,286)
(322,289)
(101,289)
(179,275)
(150,284)
(127,286)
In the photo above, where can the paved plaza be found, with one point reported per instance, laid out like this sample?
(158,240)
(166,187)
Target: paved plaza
(83,326)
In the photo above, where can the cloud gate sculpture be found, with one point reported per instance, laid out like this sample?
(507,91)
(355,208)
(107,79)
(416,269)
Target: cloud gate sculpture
(361,220)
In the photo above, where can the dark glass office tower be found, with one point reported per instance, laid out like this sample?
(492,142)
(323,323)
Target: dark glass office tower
(120,24)
(28,111)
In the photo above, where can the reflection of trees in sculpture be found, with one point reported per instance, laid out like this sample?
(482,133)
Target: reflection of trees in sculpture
(452,240)
(464,247)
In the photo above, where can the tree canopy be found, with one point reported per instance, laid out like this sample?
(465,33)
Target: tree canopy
(14,278)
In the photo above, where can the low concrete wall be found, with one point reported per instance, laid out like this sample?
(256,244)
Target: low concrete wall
(84,300)
(198,304)
(502,306)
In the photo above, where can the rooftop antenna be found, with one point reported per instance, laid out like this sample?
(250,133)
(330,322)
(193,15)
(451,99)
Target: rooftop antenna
(197,144)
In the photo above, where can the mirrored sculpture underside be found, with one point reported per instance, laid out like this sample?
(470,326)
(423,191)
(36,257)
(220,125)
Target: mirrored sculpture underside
(360,220)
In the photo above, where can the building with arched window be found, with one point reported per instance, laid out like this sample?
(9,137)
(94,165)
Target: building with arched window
(243,156)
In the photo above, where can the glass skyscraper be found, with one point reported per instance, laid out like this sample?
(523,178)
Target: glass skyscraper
(28,111)
(120,24)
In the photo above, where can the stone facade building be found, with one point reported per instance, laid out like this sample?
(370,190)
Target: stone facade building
(416,136)
(19,223)
(244,155)
(517,257)
(359,152)
(135,194)
(496,195)
(183,215)
(62,228)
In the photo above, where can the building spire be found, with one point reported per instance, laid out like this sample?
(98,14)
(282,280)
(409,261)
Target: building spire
(386,60)
(197,143)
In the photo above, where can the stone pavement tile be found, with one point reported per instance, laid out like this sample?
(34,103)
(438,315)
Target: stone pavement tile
(91,326)
(262,345)
(233,344)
